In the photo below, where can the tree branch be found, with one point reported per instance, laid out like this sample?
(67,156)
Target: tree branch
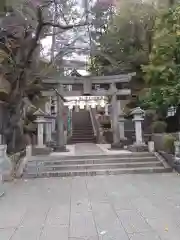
(34,43)
(63,27)
(37,35)
(56,91)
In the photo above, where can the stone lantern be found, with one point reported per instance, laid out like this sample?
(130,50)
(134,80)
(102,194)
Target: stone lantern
(41,121)
(49,141)
(138,118)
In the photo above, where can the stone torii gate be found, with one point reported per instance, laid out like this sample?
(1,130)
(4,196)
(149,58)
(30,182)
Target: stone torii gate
(84,86)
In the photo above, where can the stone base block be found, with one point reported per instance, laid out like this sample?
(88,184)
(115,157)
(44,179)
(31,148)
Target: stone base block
(138,148)
(1,186)
(8,176)
(51,144)
(1,192)
(177,159)
(41,151)
(6,165)
(120,145)
(60,149)
(117,146)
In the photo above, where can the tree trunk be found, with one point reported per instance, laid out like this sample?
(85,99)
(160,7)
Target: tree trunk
(14,130)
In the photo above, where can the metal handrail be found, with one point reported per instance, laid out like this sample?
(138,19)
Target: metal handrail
(93,123)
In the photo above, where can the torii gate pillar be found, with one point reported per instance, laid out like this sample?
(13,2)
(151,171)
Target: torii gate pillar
(60,145)
(114,116)
(87,86)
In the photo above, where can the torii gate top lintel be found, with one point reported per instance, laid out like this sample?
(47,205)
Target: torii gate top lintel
(124,78)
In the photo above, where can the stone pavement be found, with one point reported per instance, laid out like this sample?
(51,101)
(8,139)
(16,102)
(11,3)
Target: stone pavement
(135,207)
(82,149)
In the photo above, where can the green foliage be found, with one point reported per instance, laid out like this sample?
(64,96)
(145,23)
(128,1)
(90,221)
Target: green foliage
(168,142)
(162,74)
(150,113)
(126,42)
(2,6)
(158,127)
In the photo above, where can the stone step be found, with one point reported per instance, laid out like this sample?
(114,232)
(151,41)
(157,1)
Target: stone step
(84,135)
(81,141)
(94,172)
(85,131)
(89,136)
(42,168)
(127,156)
(81,124)
(94,161)
(82,130)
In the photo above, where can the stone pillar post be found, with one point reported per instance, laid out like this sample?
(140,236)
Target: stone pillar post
(6,166)
(1,185)
(48,107)
(76,108)
(1,139)
(40,131)
(87,86)
(54,114)
(114,117)
(138,113)
(60,146)
(53,123)
(48,131)
(121,126)
(139,145)
(48,125)
(107,109)
(120,120)
(177,152)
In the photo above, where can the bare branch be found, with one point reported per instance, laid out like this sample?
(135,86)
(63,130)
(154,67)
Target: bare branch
(65,49)
(63,16)
(64,100)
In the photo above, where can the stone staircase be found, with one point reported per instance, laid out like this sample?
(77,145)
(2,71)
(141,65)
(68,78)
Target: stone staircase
(82,130)
(48,166)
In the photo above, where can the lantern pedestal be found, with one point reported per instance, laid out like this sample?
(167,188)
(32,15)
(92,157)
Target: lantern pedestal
(60,149)
(6,167)
(138,147)
(177,153)
(118,146)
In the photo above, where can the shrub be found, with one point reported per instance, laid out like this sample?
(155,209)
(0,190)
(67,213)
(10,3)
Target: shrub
(158,127)
(168,143)
(150,113)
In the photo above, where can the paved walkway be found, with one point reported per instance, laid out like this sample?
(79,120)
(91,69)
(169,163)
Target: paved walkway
(81,149)
(87,149)
(136,207)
